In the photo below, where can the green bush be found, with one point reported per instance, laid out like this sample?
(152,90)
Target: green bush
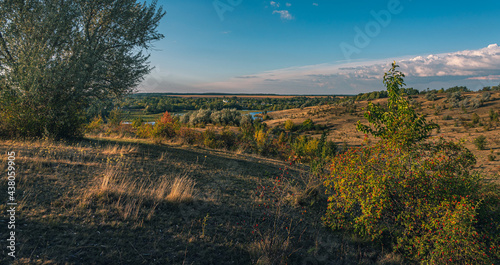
(210,139)
(289,125)
(95,125)
(136,123)
(144,131)
(115,117)
(190,136)
(307,125)
(419,196)
(491,156)
(166,127)
(398,122)
(228,139)
(493,115)
(480,142)
(431,96)
(261,140)
(305,148)
(475,118)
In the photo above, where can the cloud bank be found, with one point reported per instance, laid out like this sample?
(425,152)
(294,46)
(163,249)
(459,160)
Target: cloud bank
(473,68)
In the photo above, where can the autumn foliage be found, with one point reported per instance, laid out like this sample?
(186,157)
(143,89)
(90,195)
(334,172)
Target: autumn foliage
(421,197)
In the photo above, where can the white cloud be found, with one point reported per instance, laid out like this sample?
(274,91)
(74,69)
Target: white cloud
(274,4)
(284,14)
(315,4)
(473,68)
(288,4)
(489,77)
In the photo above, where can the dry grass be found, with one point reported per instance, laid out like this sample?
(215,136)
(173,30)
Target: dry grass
(119,149)
(103,201)
(342,125)
(130,195)
(181,190)
(272,249)
(126,201)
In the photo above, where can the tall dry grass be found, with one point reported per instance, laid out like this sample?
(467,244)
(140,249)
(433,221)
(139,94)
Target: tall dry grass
(130,196)
(119,149)
(181,190)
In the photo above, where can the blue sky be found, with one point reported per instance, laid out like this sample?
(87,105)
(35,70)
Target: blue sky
(323,47)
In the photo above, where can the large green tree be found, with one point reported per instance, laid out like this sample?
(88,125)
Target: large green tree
(58,56)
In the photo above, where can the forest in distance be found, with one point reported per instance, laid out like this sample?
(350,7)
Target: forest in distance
(156,103)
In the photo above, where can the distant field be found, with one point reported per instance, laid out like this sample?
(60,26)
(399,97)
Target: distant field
(135,114)
(246,96)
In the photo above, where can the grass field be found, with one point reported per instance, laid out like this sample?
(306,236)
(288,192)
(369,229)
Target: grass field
(137,113)
(110,201)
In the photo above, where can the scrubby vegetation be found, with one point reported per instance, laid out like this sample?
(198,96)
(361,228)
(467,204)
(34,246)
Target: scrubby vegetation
(418,197)
(239,132)
(215,185)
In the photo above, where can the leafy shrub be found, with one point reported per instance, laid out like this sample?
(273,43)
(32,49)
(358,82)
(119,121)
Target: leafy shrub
(166,118)
(305,148)
(431,96)
(480,142)
(184,119)
(475,118)
(454,98)
(450,236)
(491,156)
(392,183)
(398,122)
(289,125)
(210,139)
(200,117)
(115,117)
(307,125)
(122,130)
(137,122)
(228,139)
(95,126)
(226,117)
(329,150)
(144,131)
(190,136)
(419,196)
(246,120)
(165,127)
(486,96)
(163,130)
(261,141)
(476,103)
(493,115)
(465,103)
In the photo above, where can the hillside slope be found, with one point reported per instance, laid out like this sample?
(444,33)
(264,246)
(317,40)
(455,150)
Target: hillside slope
(110,202)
